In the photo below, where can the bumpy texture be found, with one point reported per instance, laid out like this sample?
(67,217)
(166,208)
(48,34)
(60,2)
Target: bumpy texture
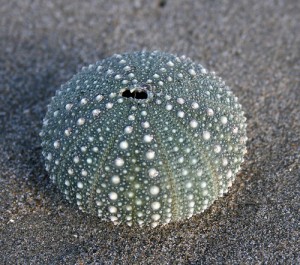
(144,138)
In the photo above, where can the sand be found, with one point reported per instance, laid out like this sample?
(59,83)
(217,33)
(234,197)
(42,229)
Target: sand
(253,45)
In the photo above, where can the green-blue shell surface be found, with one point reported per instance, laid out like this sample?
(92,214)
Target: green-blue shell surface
(144,138)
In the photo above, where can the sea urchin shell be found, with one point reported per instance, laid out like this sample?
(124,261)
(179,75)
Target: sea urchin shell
(144,138)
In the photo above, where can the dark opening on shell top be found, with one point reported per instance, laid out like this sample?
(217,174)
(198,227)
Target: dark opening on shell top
(144,138)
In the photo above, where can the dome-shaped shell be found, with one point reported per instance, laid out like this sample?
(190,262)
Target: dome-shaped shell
(144,138)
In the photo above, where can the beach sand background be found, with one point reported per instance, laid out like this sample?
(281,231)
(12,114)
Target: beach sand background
(253,45)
